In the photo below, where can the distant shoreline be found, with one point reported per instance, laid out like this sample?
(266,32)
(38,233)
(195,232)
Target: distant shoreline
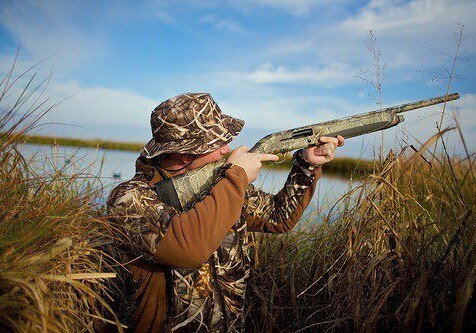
(73,142)
(340,165)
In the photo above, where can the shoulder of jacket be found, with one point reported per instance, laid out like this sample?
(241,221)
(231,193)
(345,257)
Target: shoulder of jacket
(131,191)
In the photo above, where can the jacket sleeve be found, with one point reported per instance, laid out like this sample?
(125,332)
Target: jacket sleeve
(279,213)
(162,234)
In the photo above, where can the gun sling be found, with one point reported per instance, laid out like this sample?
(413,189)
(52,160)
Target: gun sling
(166,191)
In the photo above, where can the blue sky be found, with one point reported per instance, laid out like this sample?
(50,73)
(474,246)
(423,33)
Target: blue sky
(276,64)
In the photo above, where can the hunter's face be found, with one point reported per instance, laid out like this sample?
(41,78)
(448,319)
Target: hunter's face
(216,155)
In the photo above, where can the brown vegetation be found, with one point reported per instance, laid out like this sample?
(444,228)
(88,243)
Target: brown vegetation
(52,273)
(398,253)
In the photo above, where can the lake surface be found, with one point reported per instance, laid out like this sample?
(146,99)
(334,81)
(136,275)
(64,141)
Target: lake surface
(111,167)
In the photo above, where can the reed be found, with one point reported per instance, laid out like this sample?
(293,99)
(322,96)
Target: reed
(53,275)
(398,253)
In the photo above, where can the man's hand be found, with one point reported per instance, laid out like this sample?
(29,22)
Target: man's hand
(324,152)
(250,162)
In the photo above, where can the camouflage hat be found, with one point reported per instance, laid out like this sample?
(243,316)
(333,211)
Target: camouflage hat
(190,123)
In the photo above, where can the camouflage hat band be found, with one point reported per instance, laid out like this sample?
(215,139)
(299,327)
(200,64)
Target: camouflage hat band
(190,124)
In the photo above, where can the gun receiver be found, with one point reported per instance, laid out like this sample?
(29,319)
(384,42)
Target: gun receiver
(194,185)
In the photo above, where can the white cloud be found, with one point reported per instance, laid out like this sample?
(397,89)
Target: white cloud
(295,7)
(266,110)
(82,111)
(91,106)
(168,11)
(222,24)
(411,17)
(276,113)
(105,112)
(407,33)
(266,97)
(332,75)
(269,109)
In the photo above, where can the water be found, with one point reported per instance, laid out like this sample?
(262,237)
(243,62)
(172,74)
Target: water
(111,167)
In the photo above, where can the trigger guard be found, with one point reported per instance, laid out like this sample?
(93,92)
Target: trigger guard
(282,158)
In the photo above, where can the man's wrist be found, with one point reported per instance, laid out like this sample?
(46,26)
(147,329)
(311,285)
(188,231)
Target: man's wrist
(302,162)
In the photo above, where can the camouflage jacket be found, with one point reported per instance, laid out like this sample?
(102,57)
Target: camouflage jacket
(210,296)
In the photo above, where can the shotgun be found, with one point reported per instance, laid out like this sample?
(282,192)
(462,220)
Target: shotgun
(184,190)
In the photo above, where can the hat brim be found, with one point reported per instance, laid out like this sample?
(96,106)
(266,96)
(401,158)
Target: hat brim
(209,142)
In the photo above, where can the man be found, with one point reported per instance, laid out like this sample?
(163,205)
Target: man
(189,270)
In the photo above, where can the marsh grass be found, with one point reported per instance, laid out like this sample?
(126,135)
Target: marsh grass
(52,272)
(399,254)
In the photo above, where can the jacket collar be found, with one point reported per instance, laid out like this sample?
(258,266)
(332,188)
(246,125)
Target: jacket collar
(150,171)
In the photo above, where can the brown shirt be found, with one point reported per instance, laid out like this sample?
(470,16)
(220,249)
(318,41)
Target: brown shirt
(190,239)
(165,238)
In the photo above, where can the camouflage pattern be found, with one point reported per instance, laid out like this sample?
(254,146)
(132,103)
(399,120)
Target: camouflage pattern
(196,300)
(190,123)
(195,184)
(198,293)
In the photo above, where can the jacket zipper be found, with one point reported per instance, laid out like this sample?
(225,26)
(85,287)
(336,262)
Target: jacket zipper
(221,298)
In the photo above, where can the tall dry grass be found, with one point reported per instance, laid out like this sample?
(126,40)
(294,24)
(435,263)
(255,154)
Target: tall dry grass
(53,276)
(398,255)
